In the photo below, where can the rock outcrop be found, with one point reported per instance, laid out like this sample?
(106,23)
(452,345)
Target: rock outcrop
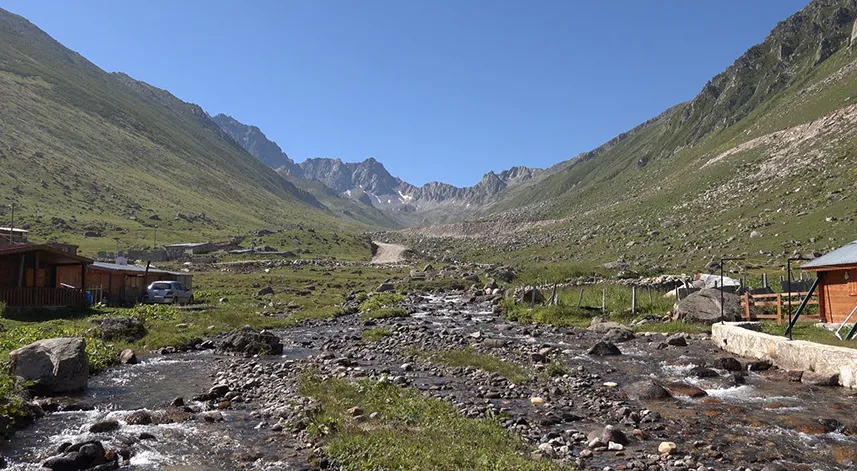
(704,307)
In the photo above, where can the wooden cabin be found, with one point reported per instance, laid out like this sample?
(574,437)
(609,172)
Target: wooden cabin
(30,276)
(119,284)
(837,285)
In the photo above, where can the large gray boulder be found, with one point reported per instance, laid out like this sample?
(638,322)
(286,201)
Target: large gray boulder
(56,365)
(248,342)
(704,307)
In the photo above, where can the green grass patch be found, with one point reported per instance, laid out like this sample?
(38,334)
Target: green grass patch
(383,306)
(555,369)
(809,332)
(464,358)
(384,313)
(411,431)
(375,335)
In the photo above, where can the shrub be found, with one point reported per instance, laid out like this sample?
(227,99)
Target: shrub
(2,310)
(380,301)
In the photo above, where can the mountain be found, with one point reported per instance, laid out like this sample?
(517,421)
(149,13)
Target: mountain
(371,184)
(761,164)
(84,151)
(251,139)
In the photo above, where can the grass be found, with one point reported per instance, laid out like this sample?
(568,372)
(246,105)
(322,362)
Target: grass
(468,358)
(809,332)
(574,310)
(375,335)
(383,306)
(411,431)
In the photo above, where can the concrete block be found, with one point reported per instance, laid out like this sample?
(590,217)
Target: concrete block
(823,360)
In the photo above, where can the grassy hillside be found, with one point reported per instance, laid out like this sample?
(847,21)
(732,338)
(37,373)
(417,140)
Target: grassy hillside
(760,164)
(87,151)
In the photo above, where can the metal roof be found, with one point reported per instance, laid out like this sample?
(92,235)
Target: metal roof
(133,268)
(8,229)
(188,244)
(845,255)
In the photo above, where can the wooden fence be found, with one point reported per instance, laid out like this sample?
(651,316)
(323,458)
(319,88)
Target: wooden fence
(42,297)
(781,301)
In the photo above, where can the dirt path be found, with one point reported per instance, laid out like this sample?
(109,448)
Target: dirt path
(389,253)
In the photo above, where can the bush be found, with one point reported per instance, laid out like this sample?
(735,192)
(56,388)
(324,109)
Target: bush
(380,301)
(152,312)
(384,313)
(2,310)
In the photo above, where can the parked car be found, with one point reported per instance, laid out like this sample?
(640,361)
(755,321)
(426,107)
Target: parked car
(168,292)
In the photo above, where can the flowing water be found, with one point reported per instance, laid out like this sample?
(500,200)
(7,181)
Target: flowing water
(804,427)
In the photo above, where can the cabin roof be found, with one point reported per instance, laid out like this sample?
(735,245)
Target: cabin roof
(133,269)
(845,255)
(53,255)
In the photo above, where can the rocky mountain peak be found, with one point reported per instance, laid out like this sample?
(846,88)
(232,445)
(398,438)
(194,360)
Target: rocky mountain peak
(254,141)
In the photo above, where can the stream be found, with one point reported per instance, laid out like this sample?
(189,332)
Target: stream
(739,423)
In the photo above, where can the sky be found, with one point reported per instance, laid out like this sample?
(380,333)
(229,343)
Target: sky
(437,90)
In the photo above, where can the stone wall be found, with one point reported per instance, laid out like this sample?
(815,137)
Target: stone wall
(795,355)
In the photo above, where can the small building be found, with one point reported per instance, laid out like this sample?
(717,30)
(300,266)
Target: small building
(837,284)
(11,236)
(119,284)
(30,276)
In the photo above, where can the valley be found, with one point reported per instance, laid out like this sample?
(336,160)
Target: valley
(339,317)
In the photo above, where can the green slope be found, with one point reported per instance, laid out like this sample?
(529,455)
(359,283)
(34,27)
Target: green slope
(663,195)
(83,150)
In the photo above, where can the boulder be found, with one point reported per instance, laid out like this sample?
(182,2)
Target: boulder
(677,340)
(265,291)
(104,426)
(619,335)
(608,434)
(139,417)
(726,363)
(128,357)
(526,296)
(603,349)
(645,390)
(598,324)
(128,329)
(385,287)
(704,307)
(57,365)
(247,341)
(819,379)
(680,389)
(702,372)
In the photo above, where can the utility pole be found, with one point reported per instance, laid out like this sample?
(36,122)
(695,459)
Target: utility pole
(12,225)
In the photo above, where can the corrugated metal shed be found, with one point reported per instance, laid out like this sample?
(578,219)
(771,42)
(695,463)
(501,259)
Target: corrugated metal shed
(845,255)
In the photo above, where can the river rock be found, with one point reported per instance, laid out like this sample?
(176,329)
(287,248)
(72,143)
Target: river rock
(604,349)
(598,324)
(703,372)
(139,417)
(726,363)
(619,335)
(58,365)
(818,379)
(265,291)
(607,435)
(704,307)
(645,390)
(678,388)
(667,448)
(250,342)
(129,329)
(494,343)
(104,426)
(128,357)
(213,416)
(677,340)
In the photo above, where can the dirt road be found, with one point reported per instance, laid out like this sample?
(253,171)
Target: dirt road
(389,253)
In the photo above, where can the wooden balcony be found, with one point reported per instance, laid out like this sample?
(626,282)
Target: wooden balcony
(43,297)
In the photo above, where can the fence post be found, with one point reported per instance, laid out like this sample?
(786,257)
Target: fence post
(580,298)
(651,301)
(779,308)
(747,305)
(634,300)
(555,298)
(603,301)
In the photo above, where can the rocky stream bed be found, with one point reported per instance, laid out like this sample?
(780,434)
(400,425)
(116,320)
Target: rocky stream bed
(703,409)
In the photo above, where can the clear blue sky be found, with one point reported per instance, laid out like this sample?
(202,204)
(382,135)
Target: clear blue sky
(436,90)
